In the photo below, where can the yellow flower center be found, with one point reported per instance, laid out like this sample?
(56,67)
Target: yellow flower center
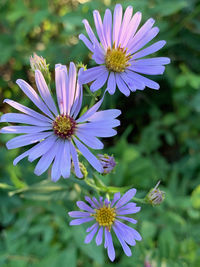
(116,59)
(64,126)
(105,216)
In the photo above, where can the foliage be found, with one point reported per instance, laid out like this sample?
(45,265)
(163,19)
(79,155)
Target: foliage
(158,140)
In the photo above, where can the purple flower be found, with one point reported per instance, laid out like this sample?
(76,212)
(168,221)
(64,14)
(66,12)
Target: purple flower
(118,52)
(107,216)
(108,163)
(58,132)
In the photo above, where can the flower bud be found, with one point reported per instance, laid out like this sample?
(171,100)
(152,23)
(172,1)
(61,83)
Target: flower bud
(108,163)
(39,63)
(155,196)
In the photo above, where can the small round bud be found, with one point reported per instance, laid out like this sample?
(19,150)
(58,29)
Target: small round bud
(39,63)
(155,196)
(108,163)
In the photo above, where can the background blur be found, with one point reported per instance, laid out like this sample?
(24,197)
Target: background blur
(159,139)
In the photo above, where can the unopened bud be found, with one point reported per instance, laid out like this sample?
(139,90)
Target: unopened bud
(39,63)
(108,163)
(155,196)
(81,65)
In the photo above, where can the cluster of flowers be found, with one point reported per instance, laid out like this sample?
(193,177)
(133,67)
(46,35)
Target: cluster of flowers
(58,131)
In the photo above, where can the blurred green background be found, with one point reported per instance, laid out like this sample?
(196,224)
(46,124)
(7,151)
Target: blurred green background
(159,139)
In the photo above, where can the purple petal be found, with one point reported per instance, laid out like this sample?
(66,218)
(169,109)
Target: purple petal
(132,83)
(126,198)
(86,41)
(27,139)
(125,235)
(78,214)
(125,247)
(152,61)
(117,19)
(89,156)
(24,129)
(83,206)
(91,227)
(99,82)
(108,114)
(98,132)
(115,198)
(81,221)
(90,236)
(150,70)
(75,161)
(126,20)
(149,50)
(111,87)
(56,170)
(99,236)
(27,110)
(22,156)
(89,200)
(65,165)
(99,27)
(129,230)
(22,118)
(90,32)
(122,86)
(41,148)
(90,141)
(30,92)
(71,85)
(131,220)
(44,92)
(91,74)
(109,245)
(59,93)
(128,211)
(107,27)
(96,202)
(75,109)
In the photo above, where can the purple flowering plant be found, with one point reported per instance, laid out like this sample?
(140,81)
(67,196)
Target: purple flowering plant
(59,129)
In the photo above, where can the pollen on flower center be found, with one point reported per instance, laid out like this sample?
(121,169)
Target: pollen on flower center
(64,126)
(116,59)
(105,216)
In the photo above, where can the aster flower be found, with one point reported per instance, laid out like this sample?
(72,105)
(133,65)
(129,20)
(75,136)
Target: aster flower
(107,216)
(58,132)
(118,52)
(108,163)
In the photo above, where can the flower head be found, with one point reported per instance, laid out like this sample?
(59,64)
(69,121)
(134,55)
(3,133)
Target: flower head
(39,63)
(108,163)
(119,51)
(155,196)
(107,216)
(58,131)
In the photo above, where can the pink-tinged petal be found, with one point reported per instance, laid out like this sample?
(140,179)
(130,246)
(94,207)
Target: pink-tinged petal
(98,132)
(107,27)
(24,129)
(91,227)
(108,114)
(89,156)
(78,214)
(117,19)
(99,236)
(71,86)
(44,92)
(99,27)
(152,61)
(91,74)
(83,206)
(132,28)
(46,160)
(27,139)
(75,161)
(56,170)
(131,220)
(90,236)
(140,34)
(41,148)
(90,111)
(27,110)
(65,165)
(149,50)
(86,41)
(65,89)
(125,247)
(122,86)
(150,70)
(33,96)
(22,118)
(92,204)
(146,39)
(90,141)
(115,198)
(58,78)
(111,86)
(81,221)
(126,198)
(109,245)
(90,32)
(75,109)
(99,82)
(126,20)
